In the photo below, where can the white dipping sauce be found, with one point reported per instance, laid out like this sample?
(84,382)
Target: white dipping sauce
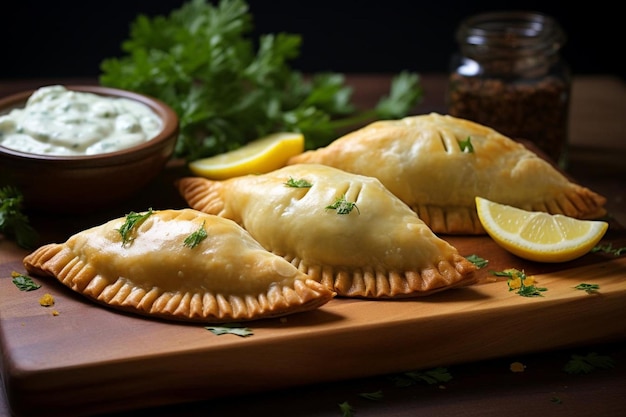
(58,121)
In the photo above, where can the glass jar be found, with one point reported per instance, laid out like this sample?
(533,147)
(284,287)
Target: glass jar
(509,75)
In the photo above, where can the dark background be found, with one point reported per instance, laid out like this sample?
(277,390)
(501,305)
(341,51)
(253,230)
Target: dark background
(71,38)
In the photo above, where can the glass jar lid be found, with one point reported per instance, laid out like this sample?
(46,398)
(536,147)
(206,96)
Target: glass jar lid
(510,33)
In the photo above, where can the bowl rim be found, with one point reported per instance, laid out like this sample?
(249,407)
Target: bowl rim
(164,111)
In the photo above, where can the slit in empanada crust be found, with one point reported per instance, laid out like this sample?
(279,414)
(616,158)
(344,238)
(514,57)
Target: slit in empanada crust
(379,249)
(226,277)
(420,160)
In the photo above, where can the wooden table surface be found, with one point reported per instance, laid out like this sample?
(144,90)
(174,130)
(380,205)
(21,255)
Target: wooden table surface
(486,388)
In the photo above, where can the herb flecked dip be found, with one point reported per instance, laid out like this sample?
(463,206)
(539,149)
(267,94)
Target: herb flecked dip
(58,121)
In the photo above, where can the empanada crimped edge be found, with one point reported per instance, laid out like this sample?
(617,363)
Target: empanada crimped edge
(242,198)
(79,264)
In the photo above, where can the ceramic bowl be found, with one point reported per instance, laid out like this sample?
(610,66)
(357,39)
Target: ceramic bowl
(70,184)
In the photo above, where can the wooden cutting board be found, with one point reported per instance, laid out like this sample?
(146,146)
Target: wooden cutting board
(89,359)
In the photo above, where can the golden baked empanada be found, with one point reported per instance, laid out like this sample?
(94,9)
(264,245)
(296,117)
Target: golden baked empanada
(180,265)
(344,230)
(437,165)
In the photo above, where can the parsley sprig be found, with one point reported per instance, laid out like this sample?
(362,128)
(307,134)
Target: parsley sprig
(133,220)
(431,376)
(608,248)
(477,260)
(374,396)
(521,283)
(343,206)
(24,282)
(13,222)
(229,89)
(196,237)
(466,145)
(588,288)
(579,364)
(346,409)
(298,183)
(236,329)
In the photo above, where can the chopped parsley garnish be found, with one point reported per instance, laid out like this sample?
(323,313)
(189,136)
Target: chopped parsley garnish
(430,377)
(585,364)
(466,145)
(608,248)
(374,396)
(133,220)
(477,260)
(196,237)
(23,282)
(301,183)
(13,222)
(518,281)
(346,409)
(588,288)
(343,206)
(230,328)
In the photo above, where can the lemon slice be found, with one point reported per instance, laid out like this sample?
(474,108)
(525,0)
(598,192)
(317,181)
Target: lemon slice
(539,236)
(257,157)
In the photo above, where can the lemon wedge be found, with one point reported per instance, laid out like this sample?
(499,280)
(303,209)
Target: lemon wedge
(539,236)
(257,157)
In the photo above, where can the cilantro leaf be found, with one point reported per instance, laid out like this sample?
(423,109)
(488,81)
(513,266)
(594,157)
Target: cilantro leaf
(477,260)
(374,396)
(24,282)
(132,221)
(343,206)
(13,222)
(579,364)
(346,409)
(466,145)
(519,282)
(531,291)
(430,377)
(299,183)
(196,237)
(608,248)
(588,288)
(230,328)
(405,89)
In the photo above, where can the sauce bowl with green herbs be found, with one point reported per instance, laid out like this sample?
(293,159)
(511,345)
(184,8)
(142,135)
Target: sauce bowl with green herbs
(73,148)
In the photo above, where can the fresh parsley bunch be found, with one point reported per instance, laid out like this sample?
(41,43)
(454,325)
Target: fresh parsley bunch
(229,90)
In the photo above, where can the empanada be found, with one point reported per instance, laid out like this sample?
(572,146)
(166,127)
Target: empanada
(180,265)
(438,164)
(344,230)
